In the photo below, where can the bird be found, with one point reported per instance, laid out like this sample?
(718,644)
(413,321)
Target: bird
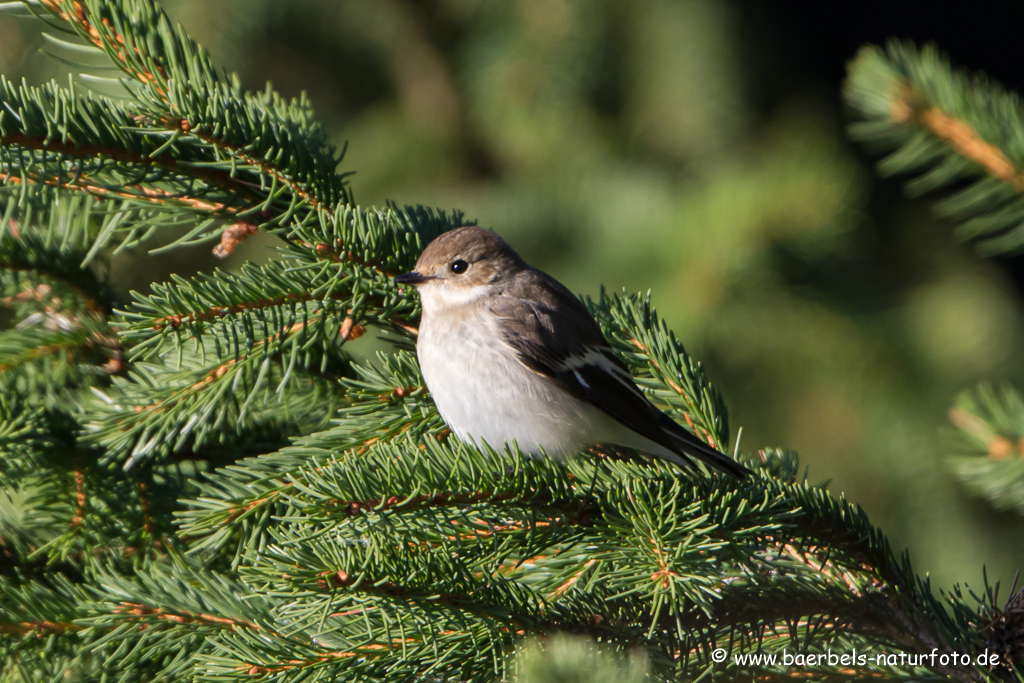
(510,355)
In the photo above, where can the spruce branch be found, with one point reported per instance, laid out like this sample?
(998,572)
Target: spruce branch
(54,137)
(180,86)
(950,130)
(51,364)
(271,308)
(956,131)
(44,273)
(186,139)
(62,336)
(87,516)
(661,365)
(677,565)
(28,434)
(987,448)
(37,621)
(156,412)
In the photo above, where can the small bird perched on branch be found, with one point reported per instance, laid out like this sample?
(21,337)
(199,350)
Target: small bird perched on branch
(510,355)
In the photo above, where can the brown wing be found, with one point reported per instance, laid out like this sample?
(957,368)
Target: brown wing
(569,348)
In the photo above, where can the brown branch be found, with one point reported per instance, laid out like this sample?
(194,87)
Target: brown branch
(217,373)
(999,447)
(293,664)
(399,393)
(354,508)
(678,389)
(81,19)
(338,254)
(664,575)
(42,292)
(910,631)
(104,36)
(147,516)
(513,622)
(958,134)
(342,579)
(405,326)
(490,529)
(38,628)
(572,581)
(140,610)
(148,195)
(142,193)
(371,649)
(831,571)
(190,128)
(350,330)
(109,39)
(80,495)
(374,440)
(237,512)
(216,312)
(39,352)
(698,430)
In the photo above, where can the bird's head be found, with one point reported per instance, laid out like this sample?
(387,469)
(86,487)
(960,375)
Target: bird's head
(461,266)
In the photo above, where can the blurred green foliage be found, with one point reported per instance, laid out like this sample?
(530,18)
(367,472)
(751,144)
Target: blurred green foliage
(577,659)
(620,143)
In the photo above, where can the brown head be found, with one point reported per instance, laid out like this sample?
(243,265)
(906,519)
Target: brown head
(462,265)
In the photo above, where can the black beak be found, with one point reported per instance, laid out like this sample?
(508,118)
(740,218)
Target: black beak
(413,278)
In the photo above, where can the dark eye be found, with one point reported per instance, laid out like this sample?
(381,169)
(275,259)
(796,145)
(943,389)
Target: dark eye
(459,266)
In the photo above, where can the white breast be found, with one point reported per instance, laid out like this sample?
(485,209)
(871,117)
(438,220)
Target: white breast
(484,394)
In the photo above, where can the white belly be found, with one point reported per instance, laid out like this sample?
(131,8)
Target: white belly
(485,395)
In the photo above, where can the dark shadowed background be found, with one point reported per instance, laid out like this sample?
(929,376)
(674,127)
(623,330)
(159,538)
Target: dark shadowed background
(695,148)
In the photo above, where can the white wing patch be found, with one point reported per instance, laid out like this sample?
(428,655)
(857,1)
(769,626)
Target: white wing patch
(590,356)
(597,359)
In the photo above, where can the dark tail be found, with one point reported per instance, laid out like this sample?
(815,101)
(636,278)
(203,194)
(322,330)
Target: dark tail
(688,446)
